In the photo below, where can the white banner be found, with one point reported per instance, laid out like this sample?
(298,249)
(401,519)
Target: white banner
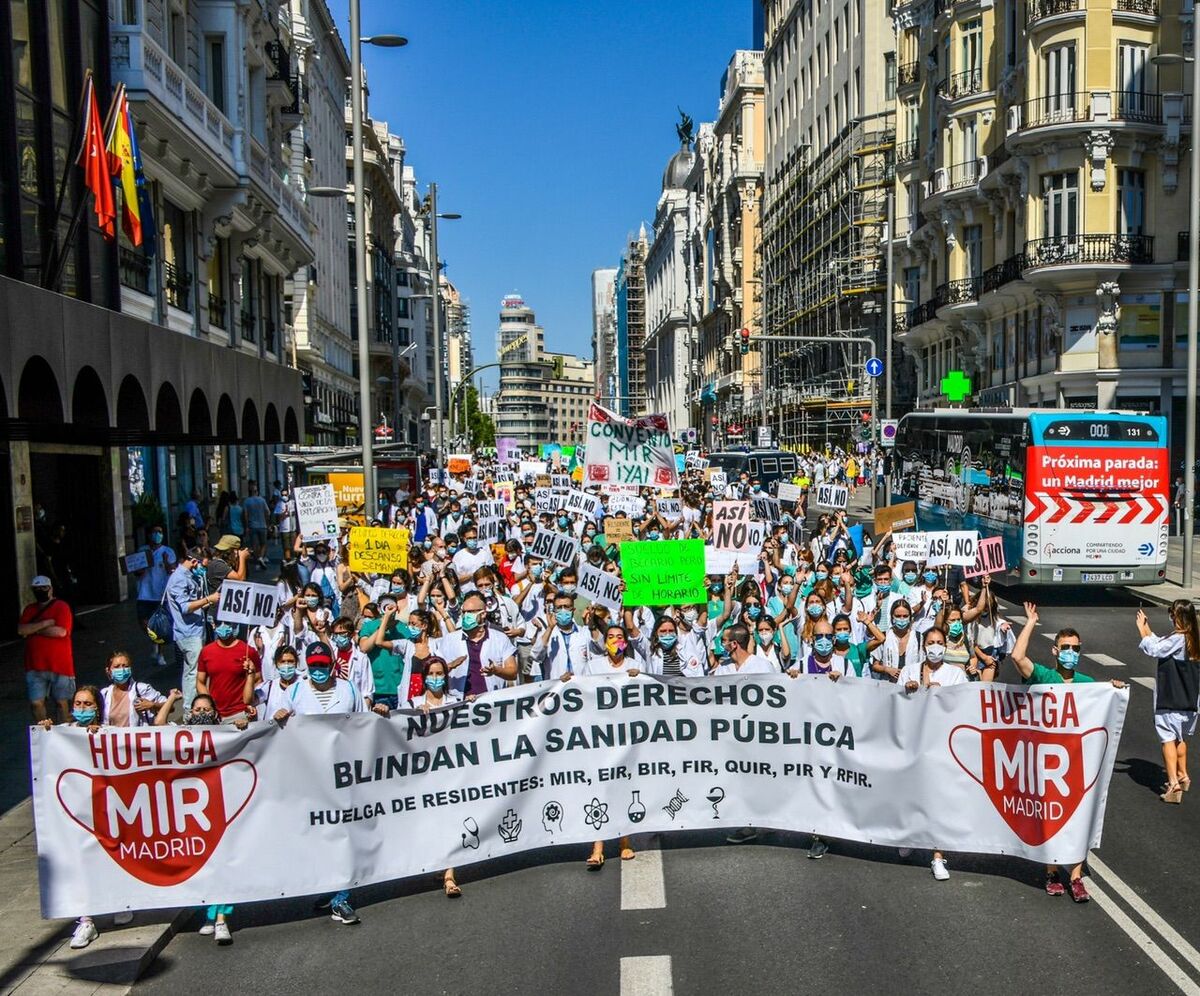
(178,816)
(601,587)
(634,451)
(544,500)
(316,512)
(247,602)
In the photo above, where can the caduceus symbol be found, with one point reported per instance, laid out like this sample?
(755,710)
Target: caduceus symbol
(715,795)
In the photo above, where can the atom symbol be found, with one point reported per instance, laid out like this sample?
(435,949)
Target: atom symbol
(595,813)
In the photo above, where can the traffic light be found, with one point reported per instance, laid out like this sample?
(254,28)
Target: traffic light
(745,341)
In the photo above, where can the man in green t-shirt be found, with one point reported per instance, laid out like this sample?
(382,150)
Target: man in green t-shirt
(1067,646)
(385,653)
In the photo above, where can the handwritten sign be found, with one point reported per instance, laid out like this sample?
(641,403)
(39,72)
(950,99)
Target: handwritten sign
(832,496)
(910,546)
(670,509)
(558,548)
(663,572)
(895,517)
(634,451)
(617,530)
(135,562)
(790,492)
(459,463)
(374,550)
(957,547)
(600,587)
(316,512)
(248,603)
(631,505)
(989,558)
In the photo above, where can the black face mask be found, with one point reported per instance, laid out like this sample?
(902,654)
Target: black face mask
(42,595)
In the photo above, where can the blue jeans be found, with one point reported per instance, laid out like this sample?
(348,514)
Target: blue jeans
(188,648)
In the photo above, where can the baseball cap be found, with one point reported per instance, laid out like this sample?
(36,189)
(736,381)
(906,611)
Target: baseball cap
(229,542)
(318,653)
(41,581)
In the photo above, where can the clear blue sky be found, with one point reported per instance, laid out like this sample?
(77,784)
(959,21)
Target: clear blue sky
(546,124)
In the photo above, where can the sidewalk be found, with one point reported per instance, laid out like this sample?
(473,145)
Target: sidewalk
(1172,588)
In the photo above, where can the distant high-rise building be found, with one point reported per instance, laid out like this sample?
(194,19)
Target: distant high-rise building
(521,413)
(631,326)
(604,334)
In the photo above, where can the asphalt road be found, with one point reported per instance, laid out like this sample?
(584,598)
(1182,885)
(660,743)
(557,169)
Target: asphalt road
(693,914)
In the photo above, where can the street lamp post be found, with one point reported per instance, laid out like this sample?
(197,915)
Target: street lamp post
(436,274)
(397,355)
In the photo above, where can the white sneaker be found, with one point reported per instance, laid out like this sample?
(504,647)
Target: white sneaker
(208,928)
(223,934)
(938,865)
(122,918)
(85,933)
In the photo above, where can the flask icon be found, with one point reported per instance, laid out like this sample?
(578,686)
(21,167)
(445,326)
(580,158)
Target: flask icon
(636,811)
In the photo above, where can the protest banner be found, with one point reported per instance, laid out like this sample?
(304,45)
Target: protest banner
(765,508)
(542,481)
(437,476)
(910,546)
(459,463)
(955,547)
(490,530)
(530,469)
(719,480)
(472,486)
(493,509)
(558,548)
(634,451)
(581,503)
(618,530)
(734,530)
(663,572)
(600,587)
(670,509)
(895,517)
(631,505)
(694,461)
(721,562)
(560,482)
(131,562)
(544,500)
(374,550)
(506,493)
(248,603)
(832,496)
(316,513)
(172,817)
(989,558)
(790,492)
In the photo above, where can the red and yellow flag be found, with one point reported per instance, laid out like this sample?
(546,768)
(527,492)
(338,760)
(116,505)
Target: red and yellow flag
(121,151)
(93,159)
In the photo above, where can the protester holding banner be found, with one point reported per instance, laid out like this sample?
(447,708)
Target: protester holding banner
(351,663)
(900,649)
(487,657)
(672,658)
(270,695)
(228,670)
(128,703)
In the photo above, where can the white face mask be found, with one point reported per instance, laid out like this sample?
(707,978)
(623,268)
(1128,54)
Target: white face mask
(935,653)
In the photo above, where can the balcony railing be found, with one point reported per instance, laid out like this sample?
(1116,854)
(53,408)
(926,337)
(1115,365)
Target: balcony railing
(1035,10)
(995,277)
(908,74)
(1130,105)
(902,321)
(962,84)
(216,312)
(1064,250)
(963,291)
(178,285)
(964,174)
(135,270)
(1137,6)
(279,62)
(925,312)
(249,326)
(1057,108)
(907,152)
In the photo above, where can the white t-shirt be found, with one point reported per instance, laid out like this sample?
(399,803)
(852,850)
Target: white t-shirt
(754,664)
(599,664)
(466,562)
(304,700)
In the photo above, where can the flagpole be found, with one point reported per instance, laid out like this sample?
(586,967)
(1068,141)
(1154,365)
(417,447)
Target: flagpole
(51,257)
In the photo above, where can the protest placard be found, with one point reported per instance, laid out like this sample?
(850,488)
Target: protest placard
(600,587)
(670,509)
(956,547)
(719,480)
(731,511)
(135,562)
(663,572)
(581,503)
(790,492)
(832,496)
(694,461)
(989,558)
(910,546)
(631,505)
(506,494)
(472,486)
(618,530)
(459,463)
(560,482)
(765,508)
(544,500)
(493,509)
(248,603)
(530,469)
(374,550)
(634,451)
(741,535)
(558,548)
(490,530)
(542,481)
(316,512)
(895,517)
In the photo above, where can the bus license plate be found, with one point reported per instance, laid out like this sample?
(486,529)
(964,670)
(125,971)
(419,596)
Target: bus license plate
(1098,578)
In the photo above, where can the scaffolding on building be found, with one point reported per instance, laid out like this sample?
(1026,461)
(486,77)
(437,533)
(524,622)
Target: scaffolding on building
(824,227)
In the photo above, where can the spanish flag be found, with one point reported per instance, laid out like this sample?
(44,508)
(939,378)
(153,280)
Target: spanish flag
(94,161)
(136,217)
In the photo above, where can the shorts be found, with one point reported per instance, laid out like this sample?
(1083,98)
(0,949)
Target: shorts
(145,609)
(1171,725)
(43,685)
(258,537)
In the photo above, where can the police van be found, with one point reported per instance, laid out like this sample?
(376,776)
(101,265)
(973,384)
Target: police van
(767,466)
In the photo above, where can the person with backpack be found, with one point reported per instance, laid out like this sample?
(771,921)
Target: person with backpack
(186,601)
(1176,690)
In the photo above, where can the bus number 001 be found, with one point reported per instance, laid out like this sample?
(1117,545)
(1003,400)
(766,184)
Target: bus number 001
(1099,430)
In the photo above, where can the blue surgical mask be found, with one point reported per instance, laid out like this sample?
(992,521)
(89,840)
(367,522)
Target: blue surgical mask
(654,534)
(883,587)
(815,611)
(1068,658)
(320,674)
(312,601)
(427,544)
(341,640)
(470,620)
(472,544)
(822,575)
(841,639)
(536,570)
(567,589)
(287,671)
(753,611)
(435,684)
(956,629)
(690,615)
(910,577)
(398,589)
(223,631)
(786,589)
(930,577)
(84,716)
(667,640)
(121,675)
(901,623)
(156,536)
(563,521)
(823,645)
(563,617)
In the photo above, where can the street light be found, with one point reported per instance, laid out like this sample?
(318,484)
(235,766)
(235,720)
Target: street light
(1189,436)
(436,273)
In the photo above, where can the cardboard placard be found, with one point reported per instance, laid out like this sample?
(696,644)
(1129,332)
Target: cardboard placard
(248,603)
(600,587)
(663,572)
(375,550)
(135,562)
(617,530)
(989,558)
(459,463)
(896,517)
(316,512)
(631,505)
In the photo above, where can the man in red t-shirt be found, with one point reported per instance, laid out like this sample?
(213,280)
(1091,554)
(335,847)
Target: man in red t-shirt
(228,669)
(46,626)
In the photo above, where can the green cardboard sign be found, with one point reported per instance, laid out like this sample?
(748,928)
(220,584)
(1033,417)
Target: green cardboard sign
(663,572)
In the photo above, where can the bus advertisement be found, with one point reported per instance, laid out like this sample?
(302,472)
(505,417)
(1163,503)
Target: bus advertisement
(1078,497)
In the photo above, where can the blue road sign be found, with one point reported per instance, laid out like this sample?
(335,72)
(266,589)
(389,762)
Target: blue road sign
(874,367)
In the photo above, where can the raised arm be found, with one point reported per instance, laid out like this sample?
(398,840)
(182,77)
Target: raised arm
(1020,654)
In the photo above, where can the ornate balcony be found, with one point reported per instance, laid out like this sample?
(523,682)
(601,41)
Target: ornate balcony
(217,312)
(135,270)
(1147,7)
(961,84)
(964,174)
(1037,10)
(908,74)
(961,291)
(907,152)
(997,276)
(178,285)
(1070,250)
(1057,108)
(1142,108)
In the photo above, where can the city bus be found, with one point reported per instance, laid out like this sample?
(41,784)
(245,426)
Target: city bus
(1078,497)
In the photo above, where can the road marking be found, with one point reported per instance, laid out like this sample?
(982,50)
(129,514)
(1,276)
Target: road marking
(1104,660)
(1019,620)
(1144,682)
(646,976)
(642,882)
(94,608)
(1142,909)
(1138,936)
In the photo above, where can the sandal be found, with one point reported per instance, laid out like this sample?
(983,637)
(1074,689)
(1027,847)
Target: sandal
(452,889)
(1173,794)
(628,854)
(595,862)
(1185,783)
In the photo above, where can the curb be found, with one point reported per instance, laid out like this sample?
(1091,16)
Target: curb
(1158,597)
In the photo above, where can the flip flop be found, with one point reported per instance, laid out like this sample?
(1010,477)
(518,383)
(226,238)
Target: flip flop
(452,890)
(595,862)
(628,854)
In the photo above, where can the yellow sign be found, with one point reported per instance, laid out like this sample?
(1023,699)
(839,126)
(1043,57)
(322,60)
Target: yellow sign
(515,344)
(348,492)
(374,550)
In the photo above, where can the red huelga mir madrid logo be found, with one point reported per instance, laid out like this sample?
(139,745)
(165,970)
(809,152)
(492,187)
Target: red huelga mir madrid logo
(1031,758)
(158,803)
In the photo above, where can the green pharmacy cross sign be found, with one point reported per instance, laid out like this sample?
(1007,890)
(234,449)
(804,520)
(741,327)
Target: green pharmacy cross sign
(956,386)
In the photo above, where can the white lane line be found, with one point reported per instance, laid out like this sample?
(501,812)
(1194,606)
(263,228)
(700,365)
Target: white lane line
(1104,660)
(1142,909)
(1144,682)
(646,976)
(94,608)
(1019,620)
(642,882)
(1142,940)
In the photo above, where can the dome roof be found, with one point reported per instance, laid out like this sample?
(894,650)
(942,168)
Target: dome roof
(678,168)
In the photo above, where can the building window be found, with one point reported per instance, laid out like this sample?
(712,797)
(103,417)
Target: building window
(130,13)
(889,76)
(1010,33)
(1132,100)
(215,70)
(1058,66)
(1131,202)
(177,32)
(1060,205)
(973,246)
(912,288)
(971,47)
